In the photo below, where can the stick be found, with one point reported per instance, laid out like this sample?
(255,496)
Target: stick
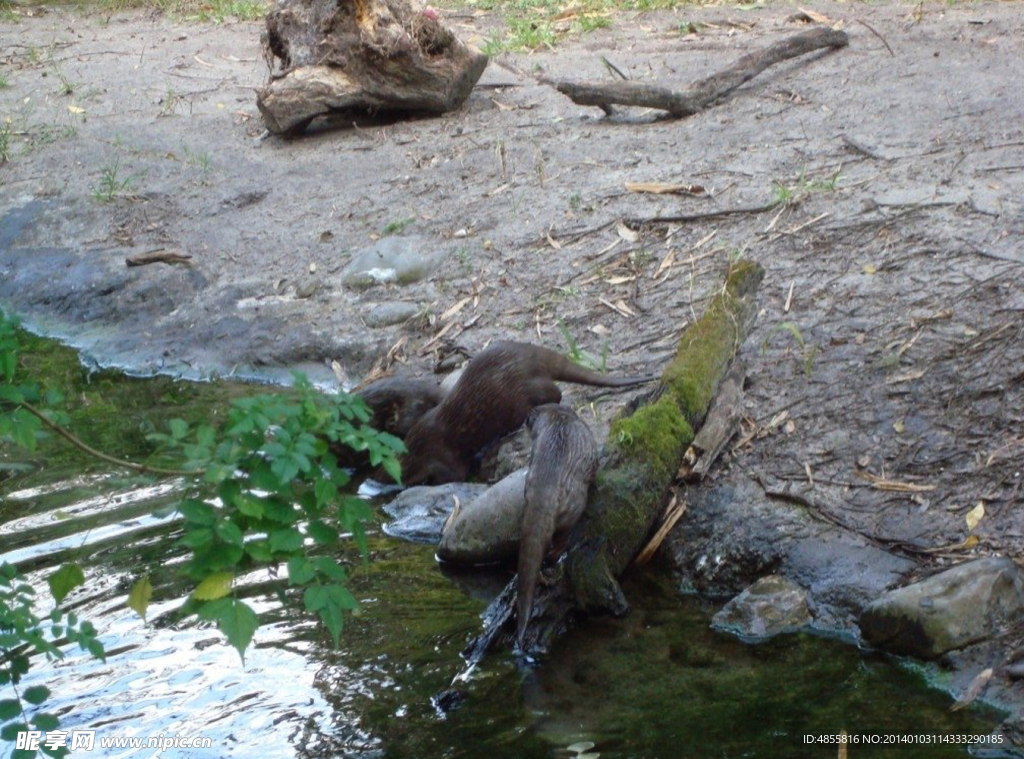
(689,218)
(706,92)
(159,256)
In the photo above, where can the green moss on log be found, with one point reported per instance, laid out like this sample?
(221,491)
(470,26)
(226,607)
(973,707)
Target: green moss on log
(654,437)
(644,450)
(707,347)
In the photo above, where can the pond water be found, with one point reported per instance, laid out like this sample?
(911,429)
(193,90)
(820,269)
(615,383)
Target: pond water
(658,683)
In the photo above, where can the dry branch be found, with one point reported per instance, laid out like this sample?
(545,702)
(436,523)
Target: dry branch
(638,465)
(706,92)
(159,256)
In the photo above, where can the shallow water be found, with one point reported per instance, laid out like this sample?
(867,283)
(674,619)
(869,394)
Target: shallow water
(659,683)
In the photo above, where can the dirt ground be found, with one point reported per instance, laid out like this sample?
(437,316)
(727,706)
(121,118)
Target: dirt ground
(887,365)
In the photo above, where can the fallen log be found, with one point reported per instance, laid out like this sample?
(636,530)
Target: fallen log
(638,465)
(361,55)
(706,92)
(722,422)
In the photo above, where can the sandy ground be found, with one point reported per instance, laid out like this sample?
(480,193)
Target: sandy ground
(887,365)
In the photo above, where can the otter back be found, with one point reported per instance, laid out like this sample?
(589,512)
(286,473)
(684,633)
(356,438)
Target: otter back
(492,398)
(563,463)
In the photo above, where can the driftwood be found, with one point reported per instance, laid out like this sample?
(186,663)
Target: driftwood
(722,422)
(158,257)
(706,92)
(361,55)
(638,465)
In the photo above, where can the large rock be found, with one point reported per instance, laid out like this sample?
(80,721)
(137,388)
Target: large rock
(770,606)
(966,604)
(732,535)
(419,513)
(392,260)
(487,530)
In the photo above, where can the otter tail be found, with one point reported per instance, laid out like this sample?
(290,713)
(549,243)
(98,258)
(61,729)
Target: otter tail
(538,529)
(564,370)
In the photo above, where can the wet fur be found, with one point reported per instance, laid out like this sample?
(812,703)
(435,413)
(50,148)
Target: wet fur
(563,462)
(492,398)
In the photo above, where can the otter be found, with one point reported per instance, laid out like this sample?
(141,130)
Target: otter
(492,398)
(396,404)
(563,463)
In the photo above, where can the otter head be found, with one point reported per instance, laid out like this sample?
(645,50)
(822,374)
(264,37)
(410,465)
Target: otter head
(542,416)
(435,466)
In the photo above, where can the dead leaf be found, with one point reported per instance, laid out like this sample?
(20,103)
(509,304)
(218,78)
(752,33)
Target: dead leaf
(790,427)
(973,690)
(906,376)
(618,307)
(806,15)
(600,330)
(975,515)
(554,243)
(870,269)
(456,308)
(899,427)
(626,233)
(666,262)
(620,280)
(75,109)
(339,372)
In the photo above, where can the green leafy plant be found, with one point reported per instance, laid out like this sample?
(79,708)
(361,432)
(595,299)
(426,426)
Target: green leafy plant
(808,351)
(5,142)
(579,356)
(397,226)
(22,633)
(111,184)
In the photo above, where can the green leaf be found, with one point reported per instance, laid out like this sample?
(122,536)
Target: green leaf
(286,540)
(238,622)
(259,550)
(46,721)
(64,580)
(334,621)
(197,512)
(213,587)
(300,570)
(330,569)
(138,598)
(36,694)
(321,533)
(198,538)
(394,469)
(9,709)
(179,428)
(10,731)
(326,491)
(229,532)
(249,505)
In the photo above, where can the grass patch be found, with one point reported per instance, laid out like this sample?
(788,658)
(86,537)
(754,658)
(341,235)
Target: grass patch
(112,184)
(536,24)
(215,11)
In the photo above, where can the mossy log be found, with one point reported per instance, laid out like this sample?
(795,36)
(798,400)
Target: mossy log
(361,55)
(638,465)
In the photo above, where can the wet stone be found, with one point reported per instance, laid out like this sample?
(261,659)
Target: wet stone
(389,313)
(419,513)
(770,606)
(969,603)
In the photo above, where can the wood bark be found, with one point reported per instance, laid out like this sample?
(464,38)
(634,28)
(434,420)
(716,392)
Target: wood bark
(638,465)
(722,422)
(361,55)
(706,92)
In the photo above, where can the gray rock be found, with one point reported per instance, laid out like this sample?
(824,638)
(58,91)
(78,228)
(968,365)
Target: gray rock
(391,312)
(487,529)
(419,513)
(392,260)
(732,534)
(966,604)
(770,606)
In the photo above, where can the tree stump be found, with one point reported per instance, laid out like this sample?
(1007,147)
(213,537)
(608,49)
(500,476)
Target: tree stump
(361,55)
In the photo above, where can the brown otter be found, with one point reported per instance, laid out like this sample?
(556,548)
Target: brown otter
(492,398)
(563,463)
(396,404)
